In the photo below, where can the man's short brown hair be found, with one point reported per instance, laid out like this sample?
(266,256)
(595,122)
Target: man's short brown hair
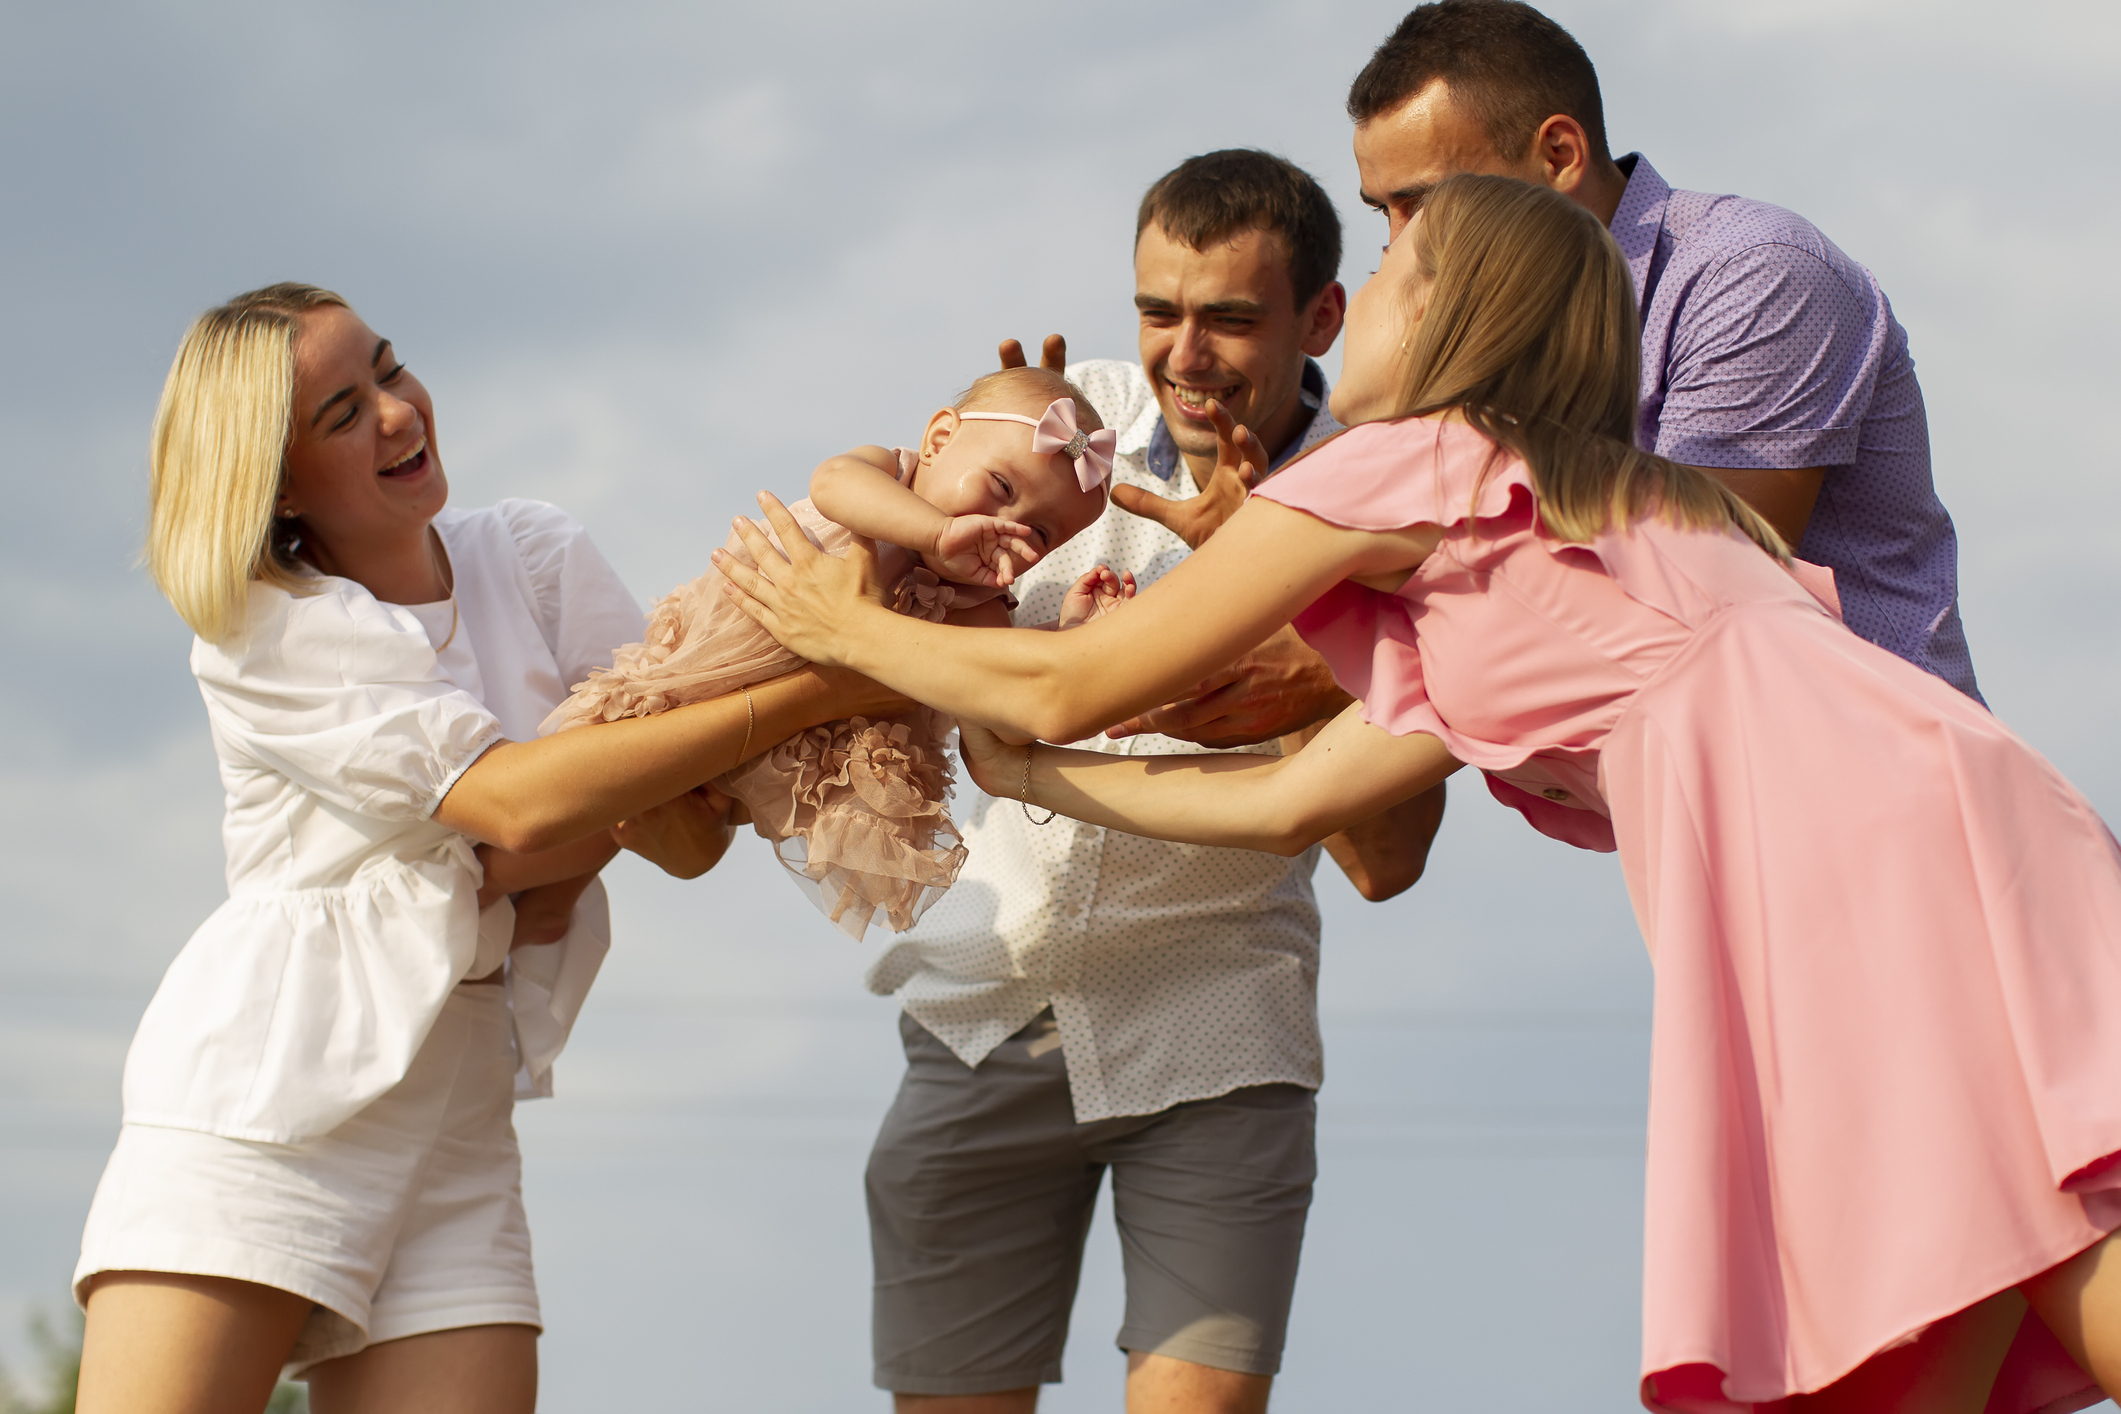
(1511,68)
(1220,195)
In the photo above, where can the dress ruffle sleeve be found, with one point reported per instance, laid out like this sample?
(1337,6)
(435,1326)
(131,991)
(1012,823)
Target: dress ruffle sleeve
(342,696)
(1379,477)
(351,915)
(1385,476)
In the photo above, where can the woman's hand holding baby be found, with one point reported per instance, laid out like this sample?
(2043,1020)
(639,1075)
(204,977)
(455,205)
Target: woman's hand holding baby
(813,603)
(979,549)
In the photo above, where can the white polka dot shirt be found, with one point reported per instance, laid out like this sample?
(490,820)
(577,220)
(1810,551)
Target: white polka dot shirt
(1177,972)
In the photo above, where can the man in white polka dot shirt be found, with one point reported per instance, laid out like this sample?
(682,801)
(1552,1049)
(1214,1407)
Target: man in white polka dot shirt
(1083,999)
(1770,360)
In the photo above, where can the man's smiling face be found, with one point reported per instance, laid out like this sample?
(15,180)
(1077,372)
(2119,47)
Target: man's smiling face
(1221,324)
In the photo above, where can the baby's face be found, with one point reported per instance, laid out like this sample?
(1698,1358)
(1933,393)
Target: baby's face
(988,468)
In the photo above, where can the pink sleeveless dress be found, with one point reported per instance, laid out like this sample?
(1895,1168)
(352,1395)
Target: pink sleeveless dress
(1886,1049)
(857,810)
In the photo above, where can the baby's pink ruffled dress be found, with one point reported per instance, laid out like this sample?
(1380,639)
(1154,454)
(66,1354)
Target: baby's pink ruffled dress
(1886,1056)
(856,809)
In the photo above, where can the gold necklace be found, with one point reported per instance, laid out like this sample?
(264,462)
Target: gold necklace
(446,574)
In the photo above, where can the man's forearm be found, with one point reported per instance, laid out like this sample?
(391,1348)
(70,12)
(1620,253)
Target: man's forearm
(508,873)
(1280,688)
(1386,854)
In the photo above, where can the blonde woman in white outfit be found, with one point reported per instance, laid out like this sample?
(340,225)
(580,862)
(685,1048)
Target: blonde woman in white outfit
(318,1168)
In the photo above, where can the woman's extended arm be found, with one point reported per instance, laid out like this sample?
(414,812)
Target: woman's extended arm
(531,796)
(1261,567)
(1348,773)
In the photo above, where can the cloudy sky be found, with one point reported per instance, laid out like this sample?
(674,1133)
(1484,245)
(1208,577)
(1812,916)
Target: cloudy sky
(651,257)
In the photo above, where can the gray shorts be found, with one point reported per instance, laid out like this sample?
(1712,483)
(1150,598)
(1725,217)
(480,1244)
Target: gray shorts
(981,1188)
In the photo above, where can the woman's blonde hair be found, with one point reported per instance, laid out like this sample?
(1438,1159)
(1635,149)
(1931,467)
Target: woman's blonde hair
(1531,332)
(219,454)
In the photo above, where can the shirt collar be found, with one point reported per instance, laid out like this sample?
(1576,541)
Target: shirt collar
(1160,453)
(1639,218)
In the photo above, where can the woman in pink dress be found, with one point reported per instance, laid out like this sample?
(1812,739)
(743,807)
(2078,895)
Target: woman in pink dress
(1886,1074)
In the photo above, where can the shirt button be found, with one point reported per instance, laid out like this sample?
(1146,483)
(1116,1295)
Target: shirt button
(1555,793)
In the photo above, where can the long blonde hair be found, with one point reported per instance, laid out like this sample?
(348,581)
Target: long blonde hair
(1531,333)
(219,454)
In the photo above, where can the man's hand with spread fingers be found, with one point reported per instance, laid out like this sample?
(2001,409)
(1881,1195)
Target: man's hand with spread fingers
(1053,356)
(1239,463)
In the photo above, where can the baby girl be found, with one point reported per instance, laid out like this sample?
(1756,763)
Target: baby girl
(856,809)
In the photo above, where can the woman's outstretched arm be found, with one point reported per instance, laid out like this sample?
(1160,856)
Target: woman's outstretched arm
(1283,805)
(529,796)
(1263,566)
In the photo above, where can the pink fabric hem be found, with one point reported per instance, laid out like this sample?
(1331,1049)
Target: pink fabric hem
(1932,1085)
(1886,933)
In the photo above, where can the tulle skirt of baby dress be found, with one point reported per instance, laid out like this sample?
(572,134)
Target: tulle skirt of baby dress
(856,809)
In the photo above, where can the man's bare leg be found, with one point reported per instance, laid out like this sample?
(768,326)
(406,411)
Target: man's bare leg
(1159,1384)
(1947,1370)
(1008,1401)
(472,1370)
(2081,1302)
(163,1343)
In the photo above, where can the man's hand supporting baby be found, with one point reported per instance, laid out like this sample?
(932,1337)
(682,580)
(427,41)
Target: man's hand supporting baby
(545,885)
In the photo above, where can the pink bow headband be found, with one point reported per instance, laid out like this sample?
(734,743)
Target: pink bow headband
(1056,432)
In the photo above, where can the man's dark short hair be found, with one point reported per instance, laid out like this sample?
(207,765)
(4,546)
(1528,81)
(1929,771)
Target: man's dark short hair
(1511,68)
(1220,195)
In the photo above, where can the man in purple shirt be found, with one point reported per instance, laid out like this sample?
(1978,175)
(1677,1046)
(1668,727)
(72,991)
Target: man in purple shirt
(1770,360)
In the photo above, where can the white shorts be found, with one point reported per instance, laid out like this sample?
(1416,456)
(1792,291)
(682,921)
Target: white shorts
(407,1218)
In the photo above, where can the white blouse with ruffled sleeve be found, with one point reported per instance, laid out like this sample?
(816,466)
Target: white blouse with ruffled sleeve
(352,914)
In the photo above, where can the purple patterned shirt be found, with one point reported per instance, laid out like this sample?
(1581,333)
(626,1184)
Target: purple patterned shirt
(1764,346)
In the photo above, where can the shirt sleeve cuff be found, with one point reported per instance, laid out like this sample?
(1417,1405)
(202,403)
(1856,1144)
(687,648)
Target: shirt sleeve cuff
(1765,451)
(491,734)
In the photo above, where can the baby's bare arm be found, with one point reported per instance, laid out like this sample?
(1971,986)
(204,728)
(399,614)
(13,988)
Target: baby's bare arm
(861,490)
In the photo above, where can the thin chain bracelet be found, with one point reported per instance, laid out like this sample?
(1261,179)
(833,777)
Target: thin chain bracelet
(1024,791)
(751,719)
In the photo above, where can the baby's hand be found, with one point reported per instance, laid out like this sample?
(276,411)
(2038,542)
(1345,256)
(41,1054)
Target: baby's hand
(984,550)
(1094,595)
